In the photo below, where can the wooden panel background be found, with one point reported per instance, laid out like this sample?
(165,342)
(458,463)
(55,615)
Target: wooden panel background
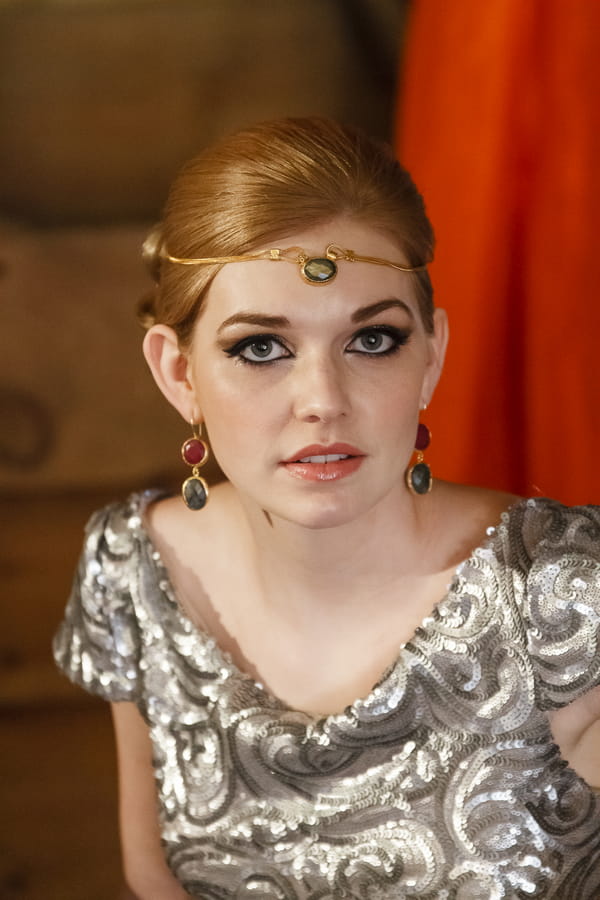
(100,102)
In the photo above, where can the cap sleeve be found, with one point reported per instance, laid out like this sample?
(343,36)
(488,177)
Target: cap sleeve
(562,599)
(98,643)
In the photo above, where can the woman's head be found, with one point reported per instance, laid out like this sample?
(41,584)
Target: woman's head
(275,179)
(281,371)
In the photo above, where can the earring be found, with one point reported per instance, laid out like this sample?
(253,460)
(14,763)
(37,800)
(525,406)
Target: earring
(418,476)
(194,452)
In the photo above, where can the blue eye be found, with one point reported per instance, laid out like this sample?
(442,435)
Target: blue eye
(378,340)
(258,349)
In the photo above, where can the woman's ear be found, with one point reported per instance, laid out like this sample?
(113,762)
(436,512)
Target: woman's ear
(438,344)
(169,367)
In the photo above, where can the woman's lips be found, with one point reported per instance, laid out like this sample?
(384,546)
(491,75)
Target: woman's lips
(324,463)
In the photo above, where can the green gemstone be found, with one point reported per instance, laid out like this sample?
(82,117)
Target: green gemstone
(319,270)
(194,492)
(420,478)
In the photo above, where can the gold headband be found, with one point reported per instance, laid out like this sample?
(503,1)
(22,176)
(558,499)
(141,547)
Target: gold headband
(313,269)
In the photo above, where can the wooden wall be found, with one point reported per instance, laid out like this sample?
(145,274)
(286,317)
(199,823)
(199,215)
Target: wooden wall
(100,102)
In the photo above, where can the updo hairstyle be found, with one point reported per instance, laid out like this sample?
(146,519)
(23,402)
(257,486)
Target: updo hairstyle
(268,181)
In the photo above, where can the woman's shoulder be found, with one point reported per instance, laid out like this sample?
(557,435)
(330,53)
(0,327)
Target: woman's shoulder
(97,643)
(112,530)
(554,530)
(479,504)
(167,518)
(464,516)
(150,520)
(197,541)
(471,513)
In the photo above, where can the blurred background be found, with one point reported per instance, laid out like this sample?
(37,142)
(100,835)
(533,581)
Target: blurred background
(100,102)
(493,106)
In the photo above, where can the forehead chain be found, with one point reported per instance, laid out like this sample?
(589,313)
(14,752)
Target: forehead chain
(314,270)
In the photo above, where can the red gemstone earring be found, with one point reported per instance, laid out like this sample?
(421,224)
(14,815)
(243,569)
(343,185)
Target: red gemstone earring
(194,452)
(418,476)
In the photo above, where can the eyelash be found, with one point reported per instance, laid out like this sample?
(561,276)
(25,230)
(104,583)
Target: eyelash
(399,337)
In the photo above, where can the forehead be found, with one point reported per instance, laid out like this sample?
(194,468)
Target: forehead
(278,287)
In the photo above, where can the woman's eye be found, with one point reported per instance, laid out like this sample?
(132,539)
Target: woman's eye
(378,341)
(260,349)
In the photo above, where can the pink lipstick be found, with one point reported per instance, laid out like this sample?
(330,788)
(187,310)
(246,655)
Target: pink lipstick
(318,462)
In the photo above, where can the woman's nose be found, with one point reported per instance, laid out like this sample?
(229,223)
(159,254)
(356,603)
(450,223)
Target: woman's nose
(321,391)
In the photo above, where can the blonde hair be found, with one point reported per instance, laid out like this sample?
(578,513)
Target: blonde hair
(269,181)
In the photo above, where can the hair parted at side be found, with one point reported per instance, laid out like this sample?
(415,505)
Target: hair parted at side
(269,181)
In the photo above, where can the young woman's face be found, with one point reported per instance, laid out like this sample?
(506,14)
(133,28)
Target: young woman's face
(311,394)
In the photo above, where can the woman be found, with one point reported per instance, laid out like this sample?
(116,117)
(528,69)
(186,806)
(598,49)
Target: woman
(298,714)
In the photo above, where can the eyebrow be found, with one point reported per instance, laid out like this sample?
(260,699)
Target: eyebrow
(365,312)
(359,315)
(254,319)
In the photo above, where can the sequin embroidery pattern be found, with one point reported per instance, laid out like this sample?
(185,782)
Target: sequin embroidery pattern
(443,783)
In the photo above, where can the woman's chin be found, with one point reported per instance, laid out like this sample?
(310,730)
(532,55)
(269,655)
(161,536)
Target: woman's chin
(323,507)
(320,513)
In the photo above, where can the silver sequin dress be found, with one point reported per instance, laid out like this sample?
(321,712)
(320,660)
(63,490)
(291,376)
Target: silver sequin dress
(443,783)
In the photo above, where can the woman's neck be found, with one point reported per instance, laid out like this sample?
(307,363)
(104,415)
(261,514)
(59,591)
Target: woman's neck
(301,568)
(327,609)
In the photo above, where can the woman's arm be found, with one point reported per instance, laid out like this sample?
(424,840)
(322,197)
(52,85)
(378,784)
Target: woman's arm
(576,730)
(146,870)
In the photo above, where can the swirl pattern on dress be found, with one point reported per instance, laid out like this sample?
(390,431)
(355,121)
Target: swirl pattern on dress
(443,783)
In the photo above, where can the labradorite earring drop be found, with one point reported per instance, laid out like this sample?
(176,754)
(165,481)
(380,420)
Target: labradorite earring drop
(418,476)
(194,452)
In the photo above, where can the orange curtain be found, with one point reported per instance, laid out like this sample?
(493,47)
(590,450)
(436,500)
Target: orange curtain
(498,121)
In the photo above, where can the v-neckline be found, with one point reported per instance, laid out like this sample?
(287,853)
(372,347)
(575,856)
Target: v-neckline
(204,639)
